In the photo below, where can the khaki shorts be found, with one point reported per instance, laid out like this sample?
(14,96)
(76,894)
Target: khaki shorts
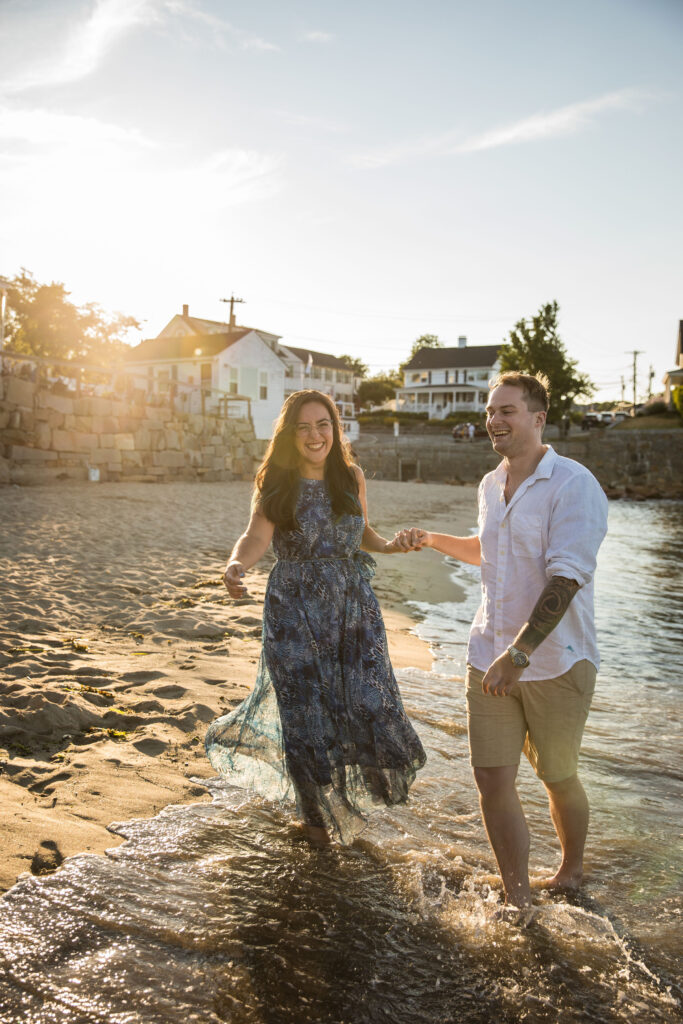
(543,718)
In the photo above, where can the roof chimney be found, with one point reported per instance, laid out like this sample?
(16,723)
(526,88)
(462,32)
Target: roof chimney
(462,341)
(186,309)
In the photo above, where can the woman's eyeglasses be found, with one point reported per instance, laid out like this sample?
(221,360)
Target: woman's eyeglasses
(304,429)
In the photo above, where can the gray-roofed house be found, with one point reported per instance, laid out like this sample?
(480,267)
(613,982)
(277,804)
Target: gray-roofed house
(441,381)
(309,369)
(212,359)
(674,378)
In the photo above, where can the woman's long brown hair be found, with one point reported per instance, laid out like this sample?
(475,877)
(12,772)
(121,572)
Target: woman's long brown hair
(276,487)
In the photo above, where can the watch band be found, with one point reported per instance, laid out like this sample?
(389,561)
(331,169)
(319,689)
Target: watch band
(519,658)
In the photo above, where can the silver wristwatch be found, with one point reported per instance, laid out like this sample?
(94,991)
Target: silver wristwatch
(519,658)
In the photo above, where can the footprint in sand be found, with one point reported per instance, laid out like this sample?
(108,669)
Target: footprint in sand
(46,859)
(151,747)
(170,692)
(143,676)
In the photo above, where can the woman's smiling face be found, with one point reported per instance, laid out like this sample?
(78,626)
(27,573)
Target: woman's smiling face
(313,438)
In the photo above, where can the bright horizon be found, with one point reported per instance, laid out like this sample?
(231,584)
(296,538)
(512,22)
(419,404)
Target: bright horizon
(358,174)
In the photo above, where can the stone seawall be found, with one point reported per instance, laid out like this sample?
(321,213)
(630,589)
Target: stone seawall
(46,436)
(628,463)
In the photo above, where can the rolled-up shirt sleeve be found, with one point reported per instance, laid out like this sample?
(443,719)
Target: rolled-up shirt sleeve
(578,524)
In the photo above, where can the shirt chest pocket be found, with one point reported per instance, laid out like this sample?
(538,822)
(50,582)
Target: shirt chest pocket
(527,536)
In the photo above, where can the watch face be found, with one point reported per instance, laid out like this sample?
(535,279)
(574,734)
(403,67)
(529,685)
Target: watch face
(519,658)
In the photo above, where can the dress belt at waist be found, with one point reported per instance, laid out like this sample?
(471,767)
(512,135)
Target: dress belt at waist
(364,562)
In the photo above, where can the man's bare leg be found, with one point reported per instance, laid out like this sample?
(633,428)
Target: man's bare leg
(507,830)
(569,811)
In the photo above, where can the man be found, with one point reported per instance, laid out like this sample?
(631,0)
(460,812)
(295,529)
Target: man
(532,654)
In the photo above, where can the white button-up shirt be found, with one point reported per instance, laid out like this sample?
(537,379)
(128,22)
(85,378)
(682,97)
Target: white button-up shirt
(553,526)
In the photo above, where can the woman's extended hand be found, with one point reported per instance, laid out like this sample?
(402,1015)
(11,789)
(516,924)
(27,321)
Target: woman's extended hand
(232,577)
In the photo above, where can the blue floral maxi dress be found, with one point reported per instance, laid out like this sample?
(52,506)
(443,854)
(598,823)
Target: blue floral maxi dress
(324,724)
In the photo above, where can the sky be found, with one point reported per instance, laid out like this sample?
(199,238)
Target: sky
(360,173)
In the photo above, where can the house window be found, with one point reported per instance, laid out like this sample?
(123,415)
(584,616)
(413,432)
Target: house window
(289,370)
(206,375)
(424,378)
(174,373)
(483,397)
(329,375)
(263,384)
(466,397)
(233,386)
(415,378)
(316,372)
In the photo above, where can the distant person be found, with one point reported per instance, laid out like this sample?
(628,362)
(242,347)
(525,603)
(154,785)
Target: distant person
(325,720)
(532,654)
(471,430)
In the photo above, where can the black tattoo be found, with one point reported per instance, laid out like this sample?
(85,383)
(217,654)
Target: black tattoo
(548,610)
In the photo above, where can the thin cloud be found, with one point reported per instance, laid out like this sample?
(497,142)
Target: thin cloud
(564,121)
(47,128)
(317,36)
(88,43)
(225,33)
(312,121)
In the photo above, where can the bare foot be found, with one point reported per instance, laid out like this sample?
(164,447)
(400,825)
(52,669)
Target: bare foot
(562,881)
(316,836)
(519,917)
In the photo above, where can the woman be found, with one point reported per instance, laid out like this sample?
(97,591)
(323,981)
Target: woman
(324,723)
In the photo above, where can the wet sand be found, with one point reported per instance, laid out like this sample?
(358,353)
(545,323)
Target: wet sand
(118,644)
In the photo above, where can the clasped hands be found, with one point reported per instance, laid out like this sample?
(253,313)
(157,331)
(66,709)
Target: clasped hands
(412,539)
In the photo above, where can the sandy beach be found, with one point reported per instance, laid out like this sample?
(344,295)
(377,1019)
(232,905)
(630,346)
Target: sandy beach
(118,644)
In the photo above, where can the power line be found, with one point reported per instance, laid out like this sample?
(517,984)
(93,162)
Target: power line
(461,317)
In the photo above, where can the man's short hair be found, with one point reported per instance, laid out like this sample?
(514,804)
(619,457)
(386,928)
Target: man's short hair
(536,388)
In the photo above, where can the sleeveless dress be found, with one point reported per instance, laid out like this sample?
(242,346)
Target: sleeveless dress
(324,724)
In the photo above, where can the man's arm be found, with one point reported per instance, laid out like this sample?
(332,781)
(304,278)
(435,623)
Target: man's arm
(466,549)
(547,612)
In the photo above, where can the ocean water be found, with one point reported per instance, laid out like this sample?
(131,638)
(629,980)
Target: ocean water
(220,912)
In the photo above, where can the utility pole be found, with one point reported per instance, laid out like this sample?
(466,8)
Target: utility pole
(649,386)
(232,300)
(623,388)
(635,353)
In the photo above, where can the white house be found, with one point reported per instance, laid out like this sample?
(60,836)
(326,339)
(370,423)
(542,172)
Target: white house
(309,369)
(208,361)
(440,381)
(674,378)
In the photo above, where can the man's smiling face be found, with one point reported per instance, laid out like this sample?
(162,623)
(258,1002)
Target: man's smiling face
(513,428)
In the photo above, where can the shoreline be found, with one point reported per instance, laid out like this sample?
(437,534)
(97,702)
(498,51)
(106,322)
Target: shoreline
(119,644)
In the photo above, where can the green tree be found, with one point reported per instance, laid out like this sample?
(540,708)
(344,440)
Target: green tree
(359,368)
(43,322)
(424,341)
(378,389)
(535,346)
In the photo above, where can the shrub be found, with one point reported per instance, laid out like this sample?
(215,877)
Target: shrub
(655,408)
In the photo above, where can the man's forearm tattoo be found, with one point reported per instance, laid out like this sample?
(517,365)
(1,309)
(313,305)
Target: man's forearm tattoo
(548,610)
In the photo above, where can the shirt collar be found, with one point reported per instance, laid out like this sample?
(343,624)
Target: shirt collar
(543,471)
